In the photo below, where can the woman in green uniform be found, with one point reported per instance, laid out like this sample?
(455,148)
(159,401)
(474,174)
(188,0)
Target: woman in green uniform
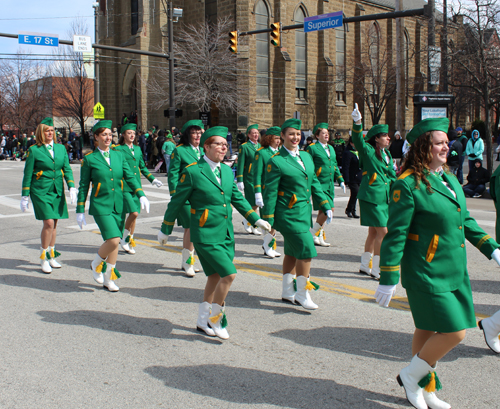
(187,151)
(427,228)
(270,145)
(46,166)
(244,176)
(290,182)
(378,175)
(327,172)
(109,171)
(209,188)
(133,155)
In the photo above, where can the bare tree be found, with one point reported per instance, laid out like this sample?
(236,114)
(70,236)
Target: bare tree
(206,71)
(373,73)
(24,91)
(73,90)
(477,58)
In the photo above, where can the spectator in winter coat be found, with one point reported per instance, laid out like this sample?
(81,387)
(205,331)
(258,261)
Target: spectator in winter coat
(352,176)
(463,139)
(476,180)
(396,148)
(455,152)
(475,148)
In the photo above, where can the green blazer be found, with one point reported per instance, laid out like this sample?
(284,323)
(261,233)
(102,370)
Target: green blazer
(43,173)
(211,211)
(107,183)
(326,168)
(426,235)
(495,195)
(288,190)
(181,157)
(262,156)
(377,175)
(136,164)
(246,156)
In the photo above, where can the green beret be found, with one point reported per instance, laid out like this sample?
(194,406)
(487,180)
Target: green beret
(254,126)
(192,122)
(377,129)
(430,124)
(129,126)
(292,123)
(169,136)
(103,123)
(48,121)
(274,130)
(213,131)
(322,125)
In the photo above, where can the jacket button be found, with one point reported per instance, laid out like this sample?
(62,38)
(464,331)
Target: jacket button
(112,189)
(225,217)
(459,227)
(462,245)
(110,169)
(459,210)
(308,190)
(308,201)
(221,193)
(224,205)
(111,178)
(135,173)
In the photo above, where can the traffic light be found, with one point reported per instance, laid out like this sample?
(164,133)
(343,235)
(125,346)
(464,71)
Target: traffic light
(276,34)
(233,41)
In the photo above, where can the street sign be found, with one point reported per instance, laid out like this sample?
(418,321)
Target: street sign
(323,21)
(98,111)
(434,64)
(50,40)
(82,44)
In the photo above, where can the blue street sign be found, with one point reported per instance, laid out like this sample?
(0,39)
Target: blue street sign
(50,40)
(323,21)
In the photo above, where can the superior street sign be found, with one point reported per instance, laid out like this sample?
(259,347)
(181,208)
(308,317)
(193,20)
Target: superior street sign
(50,40)
(323,21)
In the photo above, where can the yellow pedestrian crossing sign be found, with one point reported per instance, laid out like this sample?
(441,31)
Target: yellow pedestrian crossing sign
(98,111)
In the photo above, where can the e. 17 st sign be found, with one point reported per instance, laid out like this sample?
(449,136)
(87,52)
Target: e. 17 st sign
(50,40)
(323,21)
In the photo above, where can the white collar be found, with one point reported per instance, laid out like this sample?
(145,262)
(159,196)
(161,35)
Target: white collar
(324,145)
(195,148)
(109,150)
(254,143)
(51,144)
(212,164)
(293,153)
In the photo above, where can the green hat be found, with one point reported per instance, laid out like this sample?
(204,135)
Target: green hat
(377,129)
(146,135)
(430,124)
(48,121)
(322,125)
(169,136)
(103,123)
(128,126)
(213,131)
(292,123)
(254,126)
(192,122)
(274,130)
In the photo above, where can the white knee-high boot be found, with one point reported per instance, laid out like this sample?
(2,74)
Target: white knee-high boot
(218,321)
(202,322)
(288,291)
(44,261)
(53,254)
(491,329)
(365,267)
(98,267)
(188,262)
(110,276)
(302,295)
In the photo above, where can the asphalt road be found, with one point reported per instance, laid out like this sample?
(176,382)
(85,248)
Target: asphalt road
(67,343)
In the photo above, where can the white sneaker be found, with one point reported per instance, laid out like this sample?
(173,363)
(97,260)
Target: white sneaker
(218,321)
(44,261)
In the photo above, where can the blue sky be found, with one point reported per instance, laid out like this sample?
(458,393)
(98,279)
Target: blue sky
(41,16)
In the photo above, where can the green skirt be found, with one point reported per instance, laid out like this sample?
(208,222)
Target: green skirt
(373,215)
(111,225)
(49,205)
(131,203)
(299,245)
(184,216)
(249,193)
(217,258)
(443,312)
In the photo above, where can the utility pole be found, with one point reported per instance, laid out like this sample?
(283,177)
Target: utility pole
(171,76)
(96,53)
(445,47)
(400,71)
(431,35)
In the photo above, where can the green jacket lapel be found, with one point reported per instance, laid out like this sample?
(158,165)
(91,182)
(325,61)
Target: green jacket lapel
(100,157)
(207,171)
(439,187)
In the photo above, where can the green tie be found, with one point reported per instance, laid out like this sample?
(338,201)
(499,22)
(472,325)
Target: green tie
(49,147)
(197,151)
(105,154)
(217,172)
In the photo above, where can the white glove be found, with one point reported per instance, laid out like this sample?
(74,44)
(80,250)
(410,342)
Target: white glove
(263,225)
(144,203)
(496,256)
(342,185)
(329,216)
(241,186)
(384,294)
(356,115)
(80,219)
(25,203)
(258,200)
(157,183)
(73,194)
(162,238)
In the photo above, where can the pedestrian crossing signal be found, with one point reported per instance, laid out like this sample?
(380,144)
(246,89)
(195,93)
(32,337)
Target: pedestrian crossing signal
(276,34)
(233,41)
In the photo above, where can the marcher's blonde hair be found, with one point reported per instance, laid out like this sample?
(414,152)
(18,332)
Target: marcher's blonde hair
(40,134)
